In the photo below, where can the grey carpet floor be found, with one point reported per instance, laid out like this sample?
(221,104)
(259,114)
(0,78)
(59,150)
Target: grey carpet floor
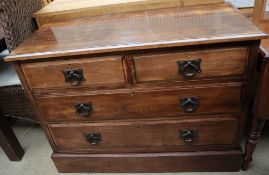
(37,161)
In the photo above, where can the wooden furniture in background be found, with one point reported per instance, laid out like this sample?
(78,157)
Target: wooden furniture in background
(46,2)
(148,91)
(260,111)
(259,7)
(70,9)
(9,142)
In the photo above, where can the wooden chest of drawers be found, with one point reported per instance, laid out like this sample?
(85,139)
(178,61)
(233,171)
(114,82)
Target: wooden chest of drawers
(152,91)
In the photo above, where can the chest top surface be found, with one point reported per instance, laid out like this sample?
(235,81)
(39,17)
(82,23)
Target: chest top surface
(149,29)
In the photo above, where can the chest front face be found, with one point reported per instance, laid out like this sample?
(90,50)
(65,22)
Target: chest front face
(160,96)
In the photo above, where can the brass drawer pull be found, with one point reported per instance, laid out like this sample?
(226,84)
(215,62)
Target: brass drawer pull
(93,138)
(73,76)
(188,135)
(84,109)
(189,68)
(189,104)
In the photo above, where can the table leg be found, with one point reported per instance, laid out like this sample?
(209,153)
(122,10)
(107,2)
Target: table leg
(9,142)
(252,140)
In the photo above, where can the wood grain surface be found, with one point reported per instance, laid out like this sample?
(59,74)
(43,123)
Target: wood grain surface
(261,109)
(155,163)
(219,62)
(134,85)
(139,30)
(96,71)
(144,134)
(139,104)
(69,9)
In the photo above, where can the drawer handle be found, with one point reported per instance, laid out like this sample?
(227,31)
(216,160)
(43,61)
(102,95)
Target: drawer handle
(93,138)
(73,76)
(84,109)
(189,104)
(189,68)
(188,135)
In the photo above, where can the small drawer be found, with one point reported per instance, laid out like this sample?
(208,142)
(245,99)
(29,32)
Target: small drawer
(76,72)
(137,104)
(199,64)
(144,134)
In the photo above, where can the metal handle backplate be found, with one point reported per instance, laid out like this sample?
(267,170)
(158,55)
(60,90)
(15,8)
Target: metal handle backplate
(73,76)
(188,136)
(189,68)
(84,109)
(189,104)
(93,138)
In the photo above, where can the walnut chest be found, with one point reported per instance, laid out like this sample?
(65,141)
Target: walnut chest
(162,90)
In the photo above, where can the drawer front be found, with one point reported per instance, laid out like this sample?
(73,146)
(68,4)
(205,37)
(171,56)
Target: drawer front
(80,72)
(217,98)
(183,66)
(144,134)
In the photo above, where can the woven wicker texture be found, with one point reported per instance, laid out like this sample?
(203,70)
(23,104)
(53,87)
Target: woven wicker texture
(14,103)
(1,31)
(13,99)
(16,20)
(16,17)
(2,41)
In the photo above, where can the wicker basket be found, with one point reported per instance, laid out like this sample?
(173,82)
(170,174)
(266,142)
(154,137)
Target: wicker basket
(2,40)
(15,103)
(17,21)
(1,31)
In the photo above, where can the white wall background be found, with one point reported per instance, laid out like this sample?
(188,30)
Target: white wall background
(246,3)
(267,6)
(242,3)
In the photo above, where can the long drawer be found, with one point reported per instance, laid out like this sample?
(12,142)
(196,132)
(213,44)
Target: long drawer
(191,65)
(97,71)
(137,104)
(147,134)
